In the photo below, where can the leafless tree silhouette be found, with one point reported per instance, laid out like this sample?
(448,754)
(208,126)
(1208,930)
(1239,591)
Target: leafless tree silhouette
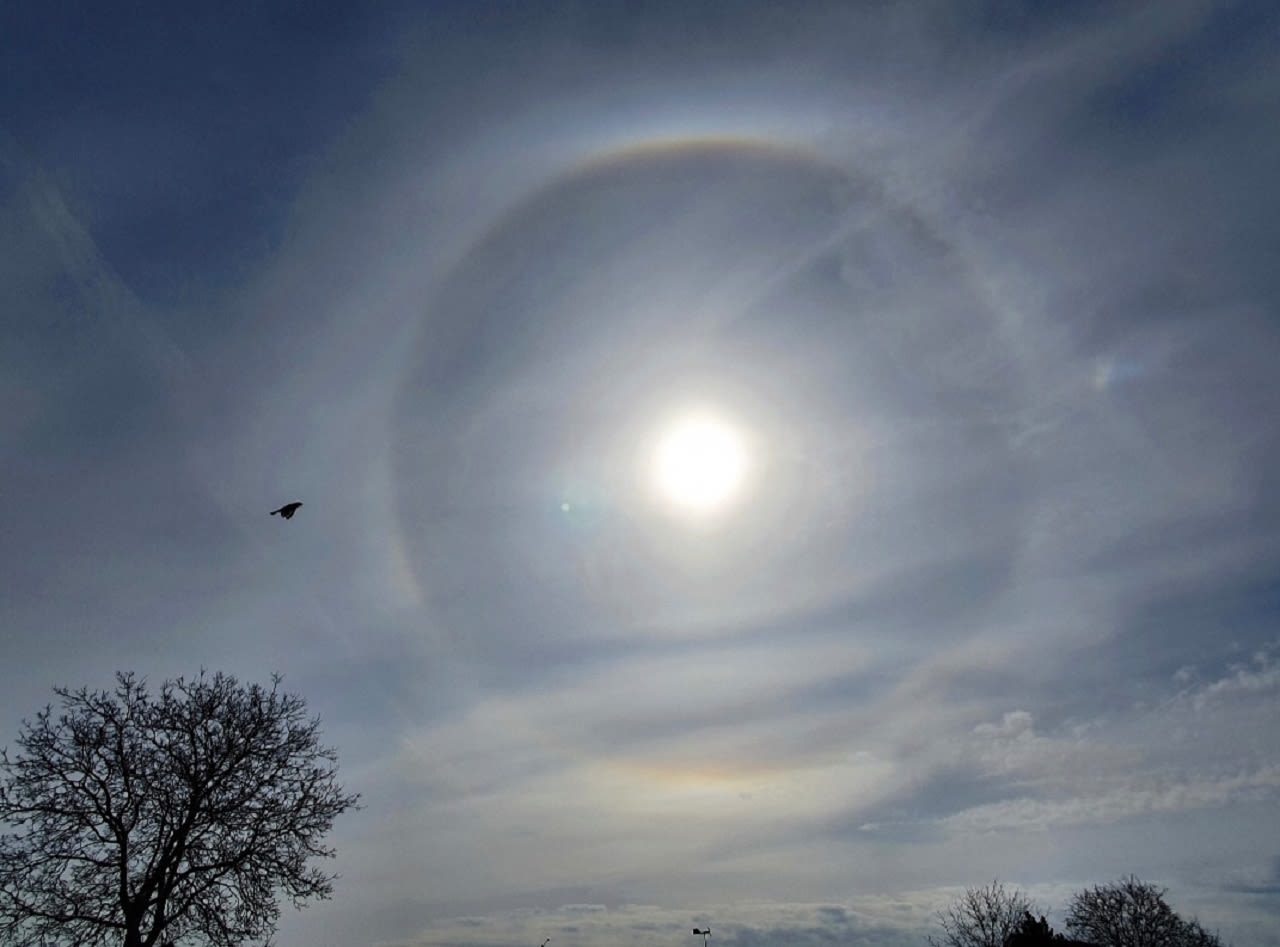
(141,819)
(1132,913)
(982,917)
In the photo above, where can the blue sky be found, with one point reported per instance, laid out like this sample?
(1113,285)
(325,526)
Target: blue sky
(987,296)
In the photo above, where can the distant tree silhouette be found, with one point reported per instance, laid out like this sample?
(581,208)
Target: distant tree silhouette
(1194,935)
(139,819)
(1133,913)
(1035,932)
(1031,933)
(982,917)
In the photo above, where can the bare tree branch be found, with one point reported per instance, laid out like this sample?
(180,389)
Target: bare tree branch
(982,917)
(1132,913)
(131,816)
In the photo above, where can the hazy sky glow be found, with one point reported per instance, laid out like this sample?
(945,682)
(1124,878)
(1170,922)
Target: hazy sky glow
(988,296)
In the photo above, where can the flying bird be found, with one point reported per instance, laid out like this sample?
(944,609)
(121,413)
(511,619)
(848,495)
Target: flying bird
(287,510)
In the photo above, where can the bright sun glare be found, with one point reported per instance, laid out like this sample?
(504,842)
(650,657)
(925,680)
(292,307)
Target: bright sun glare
(700,464)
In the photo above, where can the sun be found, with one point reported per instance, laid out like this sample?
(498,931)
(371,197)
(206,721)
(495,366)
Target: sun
(700,463)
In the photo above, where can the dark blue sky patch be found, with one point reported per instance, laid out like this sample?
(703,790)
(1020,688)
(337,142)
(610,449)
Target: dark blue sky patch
(1168,97)
(1205,625)
(184,136)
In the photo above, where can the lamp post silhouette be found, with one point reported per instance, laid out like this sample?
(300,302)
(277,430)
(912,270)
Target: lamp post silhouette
(704,934)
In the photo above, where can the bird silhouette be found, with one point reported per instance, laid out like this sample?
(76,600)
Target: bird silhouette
(287,510)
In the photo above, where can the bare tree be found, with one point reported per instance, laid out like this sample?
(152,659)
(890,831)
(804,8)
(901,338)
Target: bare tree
(139,819)
(982,917)
(1194,935)
(1132,913)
